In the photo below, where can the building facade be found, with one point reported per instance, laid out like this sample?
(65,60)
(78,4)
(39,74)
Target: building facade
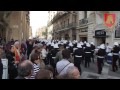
(62,25)
(83,26)
(30,32)
(42,32)
(99,33)
(15,25)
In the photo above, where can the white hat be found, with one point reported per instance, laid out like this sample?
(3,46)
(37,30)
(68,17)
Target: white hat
(49,43)
(79,45)
(56,45)
(64,41)
(102,46)
(92,43)
(17,42)
(116,43)
(76,41)
(67,47)
(52,44)
(70,44)
(87,44)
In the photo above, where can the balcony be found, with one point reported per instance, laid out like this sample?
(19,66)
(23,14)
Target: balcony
(83,22)
(66,27)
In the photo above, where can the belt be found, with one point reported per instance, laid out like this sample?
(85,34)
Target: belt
(115,54)
(87,52)
(77,56)
(100,56)
(53,57)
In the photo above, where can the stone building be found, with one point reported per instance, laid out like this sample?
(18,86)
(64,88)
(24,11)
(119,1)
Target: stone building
(16,25)
(62,24)
(30,31)
(98,32)
(83,26)
(42,32)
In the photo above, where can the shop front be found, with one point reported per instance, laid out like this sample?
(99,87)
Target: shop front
(100,37)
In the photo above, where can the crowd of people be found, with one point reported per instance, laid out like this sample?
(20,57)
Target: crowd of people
(54,59)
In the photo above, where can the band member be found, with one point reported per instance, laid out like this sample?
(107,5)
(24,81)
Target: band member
(87,51)
(101,55)
(78,56)
(115,56)
(53,53)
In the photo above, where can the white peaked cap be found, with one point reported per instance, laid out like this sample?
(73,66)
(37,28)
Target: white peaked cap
(64,41)
(92,43)
(59,42)
(52,44)
(102,46)
(49,43)
(70,44)
(76,41)
(67,47)
(56,45)
(79,45)
(116,43)
(87,44)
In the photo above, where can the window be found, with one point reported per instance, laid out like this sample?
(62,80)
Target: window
(117,33)
(68,22)
(85,14)
(64,23)
(75,19)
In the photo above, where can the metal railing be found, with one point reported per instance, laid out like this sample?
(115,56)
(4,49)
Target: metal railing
(66,27)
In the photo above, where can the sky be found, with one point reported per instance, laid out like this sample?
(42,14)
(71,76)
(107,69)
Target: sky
(38,19)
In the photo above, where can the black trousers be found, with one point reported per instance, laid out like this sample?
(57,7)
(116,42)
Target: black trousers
(46,61)
(100,64)
(114,65)
(92,56)
(77,62)
(119,62)
(87,61)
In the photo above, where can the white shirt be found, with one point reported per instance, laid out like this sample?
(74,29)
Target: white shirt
(44,53)
(61,64)
(108,49)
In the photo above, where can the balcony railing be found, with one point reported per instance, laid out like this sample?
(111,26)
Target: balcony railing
(66,27)
(83,22)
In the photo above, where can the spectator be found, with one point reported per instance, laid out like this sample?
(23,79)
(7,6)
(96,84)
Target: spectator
(64,63)
(44,74)
(37,64)
(12,70)
(44,54)
(73,73)
(25,69)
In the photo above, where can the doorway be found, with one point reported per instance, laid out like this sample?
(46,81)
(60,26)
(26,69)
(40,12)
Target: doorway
(100,41)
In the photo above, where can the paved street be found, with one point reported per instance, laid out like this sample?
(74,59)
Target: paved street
(105,72)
